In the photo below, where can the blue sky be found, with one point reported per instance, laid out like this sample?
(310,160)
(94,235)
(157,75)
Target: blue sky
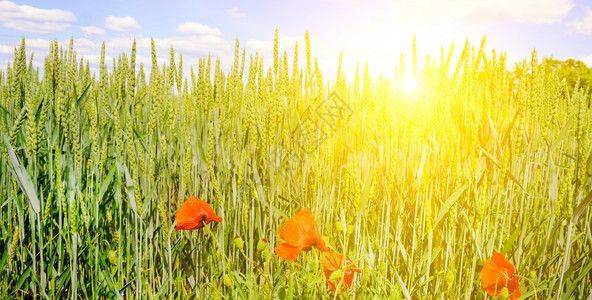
(374,31)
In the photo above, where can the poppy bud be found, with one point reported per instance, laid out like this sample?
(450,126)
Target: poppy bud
(339,225)
(238,242)
(262,245)
(533,274)
(227,281)
(112,256)
(350,228)
(504,294)
(266,287)
(336,277)
(449,278)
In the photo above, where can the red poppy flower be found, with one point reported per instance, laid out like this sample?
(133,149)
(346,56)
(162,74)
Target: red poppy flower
(195,214)
(498,273)
(299,233)
(340,268)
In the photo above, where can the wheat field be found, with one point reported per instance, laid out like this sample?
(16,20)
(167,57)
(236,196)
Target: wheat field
(417,186)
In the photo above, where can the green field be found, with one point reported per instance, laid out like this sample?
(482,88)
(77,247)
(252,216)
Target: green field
(426,182)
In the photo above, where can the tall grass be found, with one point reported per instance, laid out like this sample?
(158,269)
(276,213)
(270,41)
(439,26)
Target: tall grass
(94,166)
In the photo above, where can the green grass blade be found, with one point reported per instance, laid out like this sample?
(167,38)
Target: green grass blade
(22,177)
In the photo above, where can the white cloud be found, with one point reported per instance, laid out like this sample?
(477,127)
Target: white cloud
(586,59)
(346,1)
(194,45)
(126,23)
(524,11)
(196,28)
(92,30)
(31,45)
(38,44)
(234,12)
(34,20)
(6,50)
(582,25)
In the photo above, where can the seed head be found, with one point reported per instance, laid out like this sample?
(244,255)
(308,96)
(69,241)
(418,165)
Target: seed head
(228,282)
(339,225)
(336,277)
(449,278)
(112,256)
(262,245)
(504,294)
(238,242)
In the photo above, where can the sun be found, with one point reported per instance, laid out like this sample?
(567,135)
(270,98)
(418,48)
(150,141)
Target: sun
(410,84)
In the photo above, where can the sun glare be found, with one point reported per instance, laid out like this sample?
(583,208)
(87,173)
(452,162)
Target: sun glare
(410,84)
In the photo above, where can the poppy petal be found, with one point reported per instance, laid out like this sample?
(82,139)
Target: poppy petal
(348,277)
(328,273)
(334,261)
(300,230)
(320,244)
(207,208)
(188,225)
(287,251)
(331,261)
(514,288)
(328,278)
(496,274)
(193,213)
(502,262)
(189,220)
